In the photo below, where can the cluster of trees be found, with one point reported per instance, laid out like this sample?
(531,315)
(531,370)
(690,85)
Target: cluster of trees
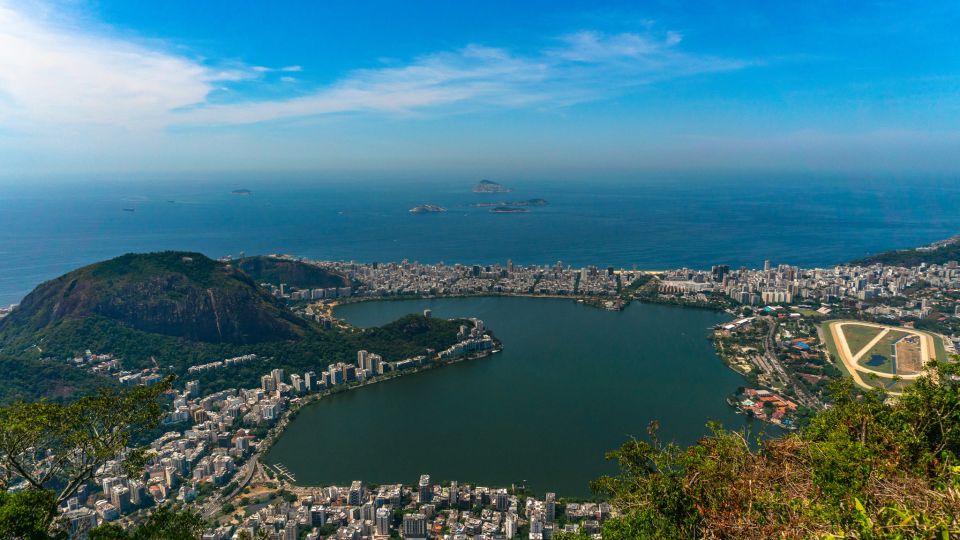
(913,257)
(406,337)
(49,450)
(868,467)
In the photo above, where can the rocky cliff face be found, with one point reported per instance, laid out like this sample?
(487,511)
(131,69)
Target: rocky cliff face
(174,293)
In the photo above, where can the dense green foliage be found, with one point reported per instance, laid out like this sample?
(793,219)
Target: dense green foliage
(295,273)
(913,257)
(29,379)
(165,523)
(32,376)
(172,293)
(54,449)
(865,468)
(172,310)
(25,514)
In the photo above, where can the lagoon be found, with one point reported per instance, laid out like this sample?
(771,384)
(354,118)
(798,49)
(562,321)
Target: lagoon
(572,383)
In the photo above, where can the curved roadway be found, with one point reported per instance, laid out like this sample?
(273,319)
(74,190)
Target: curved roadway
(850,360)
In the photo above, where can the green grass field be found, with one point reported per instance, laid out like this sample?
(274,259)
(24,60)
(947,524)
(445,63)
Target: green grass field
(858,336)
(883,348)
(941,350)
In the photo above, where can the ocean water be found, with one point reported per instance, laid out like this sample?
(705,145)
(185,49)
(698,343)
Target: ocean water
(49,228)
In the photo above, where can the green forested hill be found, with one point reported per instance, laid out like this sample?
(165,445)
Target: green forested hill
(172,293)
(914,257)
(173,310)
(295,273)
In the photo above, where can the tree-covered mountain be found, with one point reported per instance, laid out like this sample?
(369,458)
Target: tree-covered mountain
(940,253)
(173,293)
(264,269)
(173,310)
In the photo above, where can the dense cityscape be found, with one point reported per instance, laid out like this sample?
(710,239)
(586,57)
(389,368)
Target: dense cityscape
(211,449)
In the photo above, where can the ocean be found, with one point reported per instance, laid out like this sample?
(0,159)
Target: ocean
(48,228)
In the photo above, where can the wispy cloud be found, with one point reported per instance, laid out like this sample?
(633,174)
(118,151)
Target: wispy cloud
(284,69)
(582,66)
(55,74)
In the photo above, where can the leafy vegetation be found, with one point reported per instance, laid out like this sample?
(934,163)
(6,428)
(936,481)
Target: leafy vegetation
(299,274)
(54,449)
(172,310)
(29,379)
(163,524)
(865,468)
(913,257)
(136,349)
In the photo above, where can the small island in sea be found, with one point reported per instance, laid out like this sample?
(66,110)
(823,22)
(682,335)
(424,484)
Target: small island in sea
(489,186)
(528,202)
(241,192)
(508,210)
(532,202)
(427,209)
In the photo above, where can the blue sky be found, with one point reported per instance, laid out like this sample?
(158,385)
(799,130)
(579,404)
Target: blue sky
(516,88)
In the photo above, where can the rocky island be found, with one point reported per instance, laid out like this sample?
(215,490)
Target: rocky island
(508,210)
(427,209)
(489,186)
(528,202)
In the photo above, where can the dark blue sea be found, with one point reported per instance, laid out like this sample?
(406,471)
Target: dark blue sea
(50,227)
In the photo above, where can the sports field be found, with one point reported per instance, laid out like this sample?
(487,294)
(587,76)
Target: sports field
(880,356)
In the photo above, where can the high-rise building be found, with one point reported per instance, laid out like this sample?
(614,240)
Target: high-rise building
(415,526)
(367,511)
(454,494)
(550,507)
(766,265)
(335,374)
(356,492)
(310,381)
(120,497)
(318,516)
(277,376)
(426,493)
(383,521)
(510,525)
(362,360)
(268,383)
(502,501)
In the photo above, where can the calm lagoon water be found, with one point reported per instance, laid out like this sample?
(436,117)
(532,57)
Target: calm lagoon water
(572,383)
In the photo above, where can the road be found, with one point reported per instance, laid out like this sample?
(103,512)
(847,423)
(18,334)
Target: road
(769,352)
(850,359)
(250,469)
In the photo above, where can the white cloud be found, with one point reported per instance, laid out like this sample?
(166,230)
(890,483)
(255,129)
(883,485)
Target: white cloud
(55,75)
(586,66)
